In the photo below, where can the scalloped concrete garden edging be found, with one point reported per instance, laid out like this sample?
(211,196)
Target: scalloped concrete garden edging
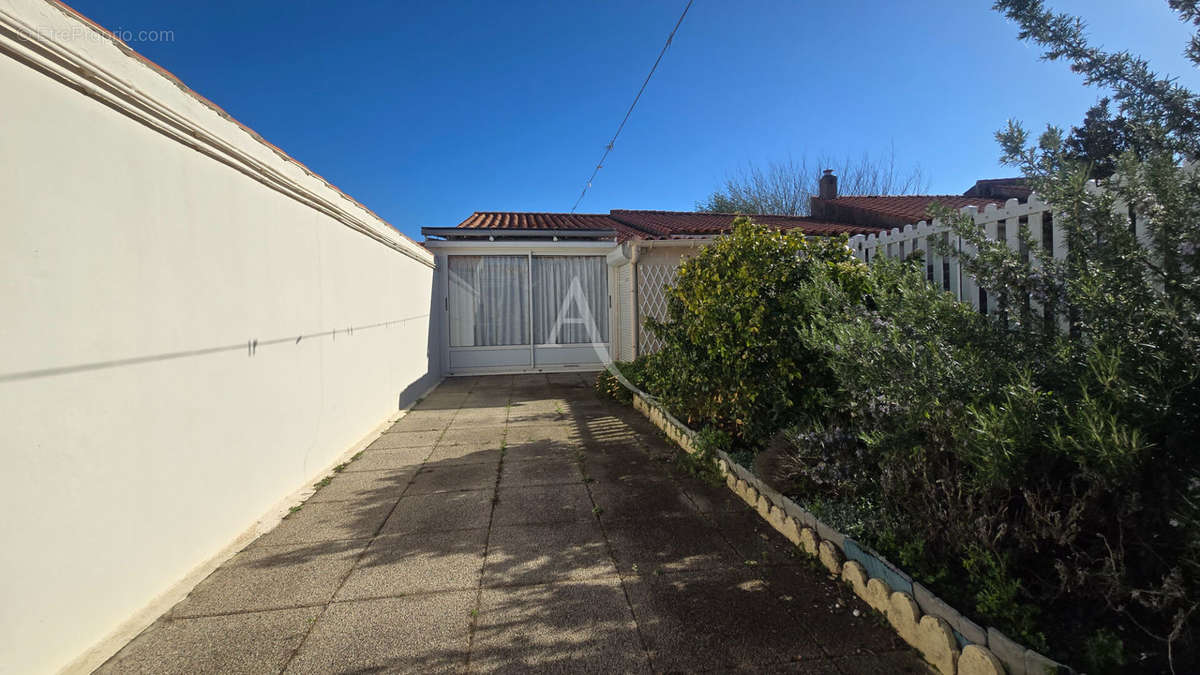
(949,641)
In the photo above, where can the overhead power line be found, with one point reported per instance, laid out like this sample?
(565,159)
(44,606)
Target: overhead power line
(608,148)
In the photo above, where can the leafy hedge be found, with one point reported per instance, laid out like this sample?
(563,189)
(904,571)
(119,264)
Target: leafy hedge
(735,355)
(1046,483)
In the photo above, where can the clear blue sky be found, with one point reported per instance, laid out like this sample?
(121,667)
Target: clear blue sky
(428,111)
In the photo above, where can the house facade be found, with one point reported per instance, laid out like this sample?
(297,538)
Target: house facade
(544,292)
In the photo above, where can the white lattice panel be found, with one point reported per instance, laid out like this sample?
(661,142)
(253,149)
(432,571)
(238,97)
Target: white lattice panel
(653,279)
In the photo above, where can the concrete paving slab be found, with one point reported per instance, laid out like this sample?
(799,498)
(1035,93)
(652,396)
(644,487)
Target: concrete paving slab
(423,420)
(482,413)
(640,497)
(539,554)
(577,380)
(381,460)
(484,400)
(520,415)
(448,400)
(602,435)
(825,609)
(542,402)
(658,448)
(414,634)
(364,486)
(668,544)
(545,504)
(440,512)
(464,454)
(625,465)
(329,521)
(540,449)
(716,620)
(888,663)
(754,539)
(273,577)
(474,434)
(566,435)
(395,565)
(257,642)
(550,471)
(578,626)
(807,667)
(481,398)
(453,478)
(405,439)
(374,557)
(462,385)
(707,497)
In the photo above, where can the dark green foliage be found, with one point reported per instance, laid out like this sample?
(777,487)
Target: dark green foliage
(638,372)
(1016,469)
(1104,653)
(608,386)
(703,463)
(735,355)
(1148,100)
(1025,463)
(1040,470)
(1100,140)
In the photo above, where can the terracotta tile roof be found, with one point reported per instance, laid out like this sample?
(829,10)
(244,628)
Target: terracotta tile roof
(548,221)
(890,210)
(666,224)
(639,224)
(539,221)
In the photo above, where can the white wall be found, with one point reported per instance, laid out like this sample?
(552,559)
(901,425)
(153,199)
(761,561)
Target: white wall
(131,454)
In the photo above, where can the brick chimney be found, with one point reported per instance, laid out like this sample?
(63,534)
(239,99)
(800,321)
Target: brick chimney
(827,187)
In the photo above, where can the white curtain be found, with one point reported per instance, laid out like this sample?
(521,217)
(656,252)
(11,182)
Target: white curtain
(489,300)
(570,299)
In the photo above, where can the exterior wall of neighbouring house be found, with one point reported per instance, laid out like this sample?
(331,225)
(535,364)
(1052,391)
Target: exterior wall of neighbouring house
(194,327)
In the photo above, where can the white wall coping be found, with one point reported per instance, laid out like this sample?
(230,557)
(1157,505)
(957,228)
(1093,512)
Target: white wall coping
(57,41)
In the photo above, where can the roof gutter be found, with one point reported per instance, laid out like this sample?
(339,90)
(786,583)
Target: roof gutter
(493,232)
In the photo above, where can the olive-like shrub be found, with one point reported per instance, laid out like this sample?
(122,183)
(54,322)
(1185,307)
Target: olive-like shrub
(734,354)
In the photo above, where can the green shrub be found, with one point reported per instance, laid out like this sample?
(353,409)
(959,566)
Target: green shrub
(703,462)
(1104,653)
(734,355)
(1045,481)
(1016,471)
(608,386)
(640,373)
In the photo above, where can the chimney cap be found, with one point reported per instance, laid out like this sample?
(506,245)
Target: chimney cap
(828,172)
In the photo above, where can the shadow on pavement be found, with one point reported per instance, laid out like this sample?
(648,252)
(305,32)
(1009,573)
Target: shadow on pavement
(517,523)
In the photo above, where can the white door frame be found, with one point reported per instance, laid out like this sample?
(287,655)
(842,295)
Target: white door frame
(530,249)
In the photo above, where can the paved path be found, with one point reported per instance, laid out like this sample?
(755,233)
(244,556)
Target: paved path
(517,523)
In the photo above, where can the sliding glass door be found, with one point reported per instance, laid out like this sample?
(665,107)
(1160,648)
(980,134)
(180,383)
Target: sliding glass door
(570,300)
(489,300)
(516,312)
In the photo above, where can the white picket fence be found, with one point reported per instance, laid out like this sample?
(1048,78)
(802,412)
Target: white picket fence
(1001,224)
(998,223)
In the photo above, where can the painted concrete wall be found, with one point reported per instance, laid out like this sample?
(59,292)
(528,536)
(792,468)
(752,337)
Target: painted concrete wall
(142,428)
